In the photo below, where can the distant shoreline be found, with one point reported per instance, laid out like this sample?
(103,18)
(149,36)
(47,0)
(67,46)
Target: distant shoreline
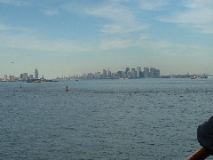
(203,76)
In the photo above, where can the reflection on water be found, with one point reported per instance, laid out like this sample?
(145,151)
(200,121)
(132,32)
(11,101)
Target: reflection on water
(110,119)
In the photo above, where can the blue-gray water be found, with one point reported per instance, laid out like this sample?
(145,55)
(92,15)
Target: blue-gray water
(145,119)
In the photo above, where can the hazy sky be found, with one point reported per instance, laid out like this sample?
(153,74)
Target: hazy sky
(65,37)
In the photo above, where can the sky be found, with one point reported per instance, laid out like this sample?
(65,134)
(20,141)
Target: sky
(68,37)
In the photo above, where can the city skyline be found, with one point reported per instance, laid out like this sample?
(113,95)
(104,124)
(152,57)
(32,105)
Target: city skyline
(126,73)
(30,75)
(130,73)
(136,72)
(72,37)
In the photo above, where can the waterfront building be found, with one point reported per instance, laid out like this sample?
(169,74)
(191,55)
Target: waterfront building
(90,76)
(109,74)
(115,76)
(154,73)
(146,72)
(24,76)
(104,74)
(30,76)
(21,76)
(139,72)
(129,74)
(119,74)
(98,75)
(5,77)
(157,73)
(12,78)
(127,70)
(133,73)
(36,73)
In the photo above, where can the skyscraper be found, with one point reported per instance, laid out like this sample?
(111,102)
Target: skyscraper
(36,73)
(127,70)
(146,72)
(104,74)
(138,72)
(109,74)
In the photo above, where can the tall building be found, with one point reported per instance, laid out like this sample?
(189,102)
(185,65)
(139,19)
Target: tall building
(98,75)
(146,72)
(104,74)
(36,73)
(138,72)
(157,73)
(109,74)
(30,76)
(24,76)
(134,73)
(154,73)
(12,78)
(127,70)
(120,74)
(5,77)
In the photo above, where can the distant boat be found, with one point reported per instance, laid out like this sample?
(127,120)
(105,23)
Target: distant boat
(50,80)
(199,76)
(40,80)
(76,79)
(34,81)
(204,76)
(194,77)
(3,81)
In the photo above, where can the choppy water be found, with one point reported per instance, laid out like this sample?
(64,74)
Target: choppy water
(145,119)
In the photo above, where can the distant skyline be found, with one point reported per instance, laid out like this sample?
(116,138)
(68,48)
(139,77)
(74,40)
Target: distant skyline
(68,37)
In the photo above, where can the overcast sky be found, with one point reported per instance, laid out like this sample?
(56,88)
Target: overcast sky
(66,37)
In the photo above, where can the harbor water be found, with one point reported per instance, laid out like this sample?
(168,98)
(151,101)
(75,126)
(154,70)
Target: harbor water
(144,119)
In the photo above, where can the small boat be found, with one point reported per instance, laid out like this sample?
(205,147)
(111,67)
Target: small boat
(201,154)
(194,77)
(34,81)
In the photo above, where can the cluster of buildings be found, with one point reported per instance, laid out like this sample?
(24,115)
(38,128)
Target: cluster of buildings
(22,77)
(128,73)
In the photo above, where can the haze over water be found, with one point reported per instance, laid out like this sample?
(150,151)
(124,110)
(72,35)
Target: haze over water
(143,119)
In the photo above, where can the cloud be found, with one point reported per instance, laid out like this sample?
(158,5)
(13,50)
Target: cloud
(177,57)
(117,43)
(42,44)
(117,28)
(14,2)
(26,39)
(50,12)
(153,5)
(197,14)
(120,18)
(198,3)
(116,16)
(6,29)
(167,52)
